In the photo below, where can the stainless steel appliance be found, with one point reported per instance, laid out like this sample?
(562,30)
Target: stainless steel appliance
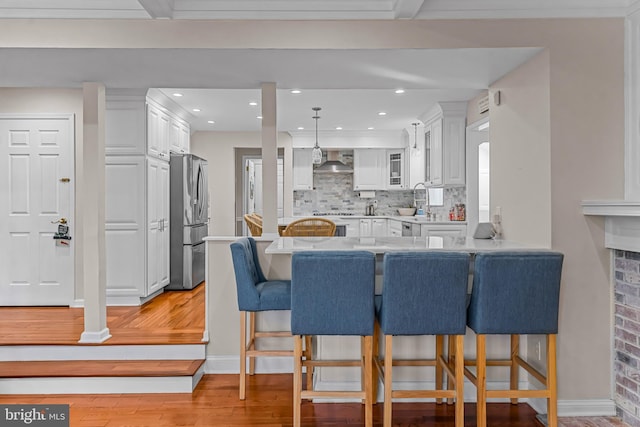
(189,210)
(410,230)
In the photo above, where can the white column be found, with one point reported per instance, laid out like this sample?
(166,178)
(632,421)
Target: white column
(269,161)
(632,107)
(93,196)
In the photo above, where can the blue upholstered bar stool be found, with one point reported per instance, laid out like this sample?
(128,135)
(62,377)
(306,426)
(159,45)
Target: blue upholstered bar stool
(515,293)
(424,293)
(256,293)
(332,294)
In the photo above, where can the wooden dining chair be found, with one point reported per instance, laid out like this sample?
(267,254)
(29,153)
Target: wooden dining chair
(310,227)
(254,223)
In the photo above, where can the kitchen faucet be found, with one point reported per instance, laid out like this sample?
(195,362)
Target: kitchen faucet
(425,200)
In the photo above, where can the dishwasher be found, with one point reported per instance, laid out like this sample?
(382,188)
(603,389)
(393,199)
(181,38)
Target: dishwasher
(410,230)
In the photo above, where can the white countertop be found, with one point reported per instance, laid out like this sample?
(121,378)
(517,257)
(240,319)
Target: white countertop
(339,220)
(380,245)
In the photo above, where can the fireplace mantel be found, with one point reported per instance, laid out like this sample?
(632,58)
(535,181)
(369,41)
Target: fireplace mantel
(622,222)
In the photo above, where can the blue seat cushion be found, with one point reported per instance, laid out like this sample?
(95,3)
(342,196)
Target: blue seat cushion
(274,295)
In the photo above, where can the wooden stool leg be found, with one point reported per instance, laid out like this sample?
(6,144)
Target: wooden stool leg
(375,354)
(481,374)
(451,344)
(308,351)
(515,350)
(243,354)
(459,371)
(368,386)
(252,340)
(439,370)
(297,379)
(552,401)
(388,377)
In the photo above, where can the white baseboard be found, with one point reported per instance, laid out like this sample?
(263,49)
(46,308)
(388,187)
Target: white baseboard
(264,365)
(98,385)
(587,408)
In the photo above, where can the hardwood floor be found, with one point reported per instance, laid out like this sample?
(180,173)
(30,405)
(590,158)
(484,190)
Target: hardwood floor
(174,317)
(269,404)
(177,317)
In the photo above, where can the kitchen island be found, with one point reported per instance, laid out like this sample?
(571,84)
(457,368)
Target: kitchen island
(275,260)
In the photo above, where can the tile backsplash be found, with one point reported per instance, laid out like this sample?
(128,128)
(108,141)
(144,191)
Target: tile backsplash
(334,193)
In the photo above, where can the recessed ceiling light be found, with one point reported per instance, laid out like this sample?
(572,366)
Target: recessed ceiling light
(177,94)
(300,128)
(253,103)
(210,121)
(370,128)
(259,117)
(296,91)
(399,90)
(382,113)
(339,128)
(196,110)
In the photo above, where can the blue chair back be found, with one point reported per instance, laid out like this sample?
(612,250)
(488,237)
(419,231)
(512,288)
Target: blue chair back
(248,273)
(516,293)
(332,293)
(424,293)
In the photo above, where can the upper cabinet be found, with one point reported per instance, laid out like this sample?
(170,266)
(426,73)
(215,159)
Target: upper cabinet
(157,132)
(165,133)
(396,170)
(444,144)
(179,136)
(302,169)
(369,169)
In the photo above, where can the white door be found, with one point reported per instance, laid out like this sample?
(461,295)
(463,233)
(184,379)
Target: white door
(478,175)
(37,188)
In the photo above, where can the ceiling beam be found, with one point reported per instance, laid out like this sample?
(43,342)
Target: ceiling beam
(407,9)
(158,9)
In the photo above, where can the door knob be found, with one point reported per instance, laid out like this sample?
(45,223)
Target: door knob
(60,221)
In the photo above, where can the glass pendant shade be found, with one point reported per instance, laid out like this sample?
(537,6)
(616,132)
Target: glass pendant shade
(316,155)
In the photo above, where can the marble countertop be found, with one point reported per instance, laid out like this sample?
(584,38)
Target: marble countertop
(380,245)
(340,220)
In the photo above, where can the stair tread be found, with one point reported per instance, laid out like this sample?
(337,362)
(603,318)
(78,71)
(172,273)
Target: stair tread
(99,368)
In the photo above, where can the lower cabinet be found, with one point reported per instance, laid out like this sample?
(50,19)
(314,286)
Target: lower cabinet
(136,228)
(373,227)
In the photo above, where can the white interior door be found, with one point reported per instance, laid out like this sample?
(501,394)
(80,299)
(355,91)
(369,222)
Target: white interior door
(36,160)
(478,175)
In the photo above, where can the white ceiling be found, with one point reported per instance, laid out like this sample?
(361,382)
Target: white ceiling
(351,86)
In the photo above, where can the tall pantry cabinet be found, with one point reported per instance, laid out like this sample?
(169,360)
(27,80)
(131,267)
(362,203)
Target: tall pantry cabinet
(139,136)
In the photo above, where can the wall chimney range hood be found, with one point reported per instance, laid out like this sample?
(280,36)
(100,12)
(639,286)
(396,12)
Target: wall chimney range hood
(333,165)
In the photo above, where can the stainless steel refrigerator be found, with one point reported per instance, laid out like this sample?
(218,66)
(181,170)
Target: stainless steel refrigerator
(189,210)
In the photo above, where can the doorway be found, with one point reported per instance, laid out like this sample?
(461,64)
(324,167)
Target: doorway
(37,211)
(253,194)
(478,174)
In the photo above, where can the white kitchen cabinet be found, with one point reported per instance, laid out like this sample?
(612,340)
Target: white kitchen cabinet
(373,227)
(369,169)
(158,130)
(443,230)
(302,169)
(352,227)
(444,139)
(395,228)
(396,170)
(137,200)
(179,136)
(157,225)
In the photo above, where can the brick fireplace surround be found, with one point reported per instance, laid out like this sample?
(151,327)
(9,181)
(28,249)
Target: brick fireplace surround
(627,336)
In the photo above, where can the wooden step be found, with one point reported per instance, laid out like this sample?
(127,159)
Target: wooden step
(100,368)
(100,376)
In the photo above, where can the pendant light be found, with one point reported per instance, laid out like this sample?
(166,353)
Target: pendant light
(316,154)
(415,135)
